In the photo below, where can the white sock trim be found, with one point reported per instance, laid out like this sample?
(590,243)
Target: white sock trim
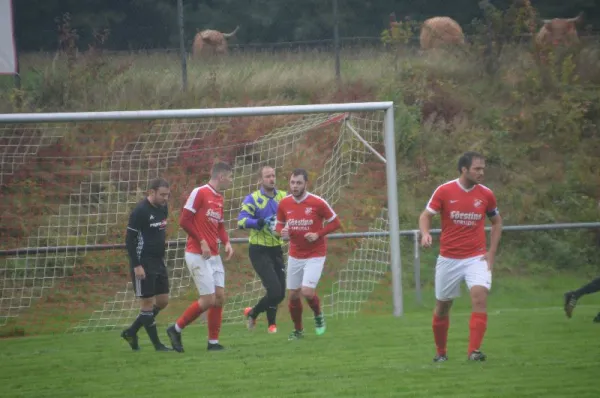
(177,328)
(213,341)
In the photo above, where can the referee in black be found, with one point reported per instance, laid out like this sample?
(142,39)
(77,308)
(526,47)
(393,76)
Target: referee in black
(145,241)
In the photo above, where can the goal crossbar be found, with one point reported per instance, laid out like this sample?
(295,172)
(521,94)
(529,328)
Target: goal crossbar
(192,113)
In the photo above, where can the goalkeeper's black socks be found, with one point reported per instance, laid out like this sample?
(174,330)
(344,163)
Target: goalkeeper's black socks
(591,287)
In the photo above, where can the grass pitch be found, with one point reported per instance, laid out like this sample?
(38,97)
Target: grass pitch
(533,351)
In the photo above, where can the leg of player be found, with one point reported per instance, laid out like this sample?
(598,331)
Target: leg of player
(293,283)
(295,307)
(191,313)
(272,308)
(572,297)
(479,281)
(440,326)
(312,273)
(146,289)
(449,273)
(160,303)
(266,269)
(478,322)
(202,274)
(145,316)
(215,319)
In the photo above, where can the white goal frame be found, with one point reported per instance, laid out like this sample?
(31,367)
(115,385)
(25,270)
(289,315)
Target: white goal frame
(389,143)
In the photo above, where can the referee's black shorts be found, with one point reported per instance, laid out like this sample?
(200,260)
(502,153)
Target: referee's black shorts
(156,281)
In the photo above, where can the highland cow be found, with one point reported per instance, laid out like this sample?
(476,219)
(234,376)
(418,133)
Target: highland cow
(559,31)
(440,32)
(211,41)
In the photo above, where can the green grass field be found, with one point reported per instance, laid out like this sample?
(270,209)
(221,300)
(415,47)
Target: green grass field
(533,350)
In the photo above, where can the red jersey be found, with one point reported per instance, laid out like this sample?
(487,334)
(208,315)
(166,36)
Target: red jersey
(207,205)
(302,216)
(463,218)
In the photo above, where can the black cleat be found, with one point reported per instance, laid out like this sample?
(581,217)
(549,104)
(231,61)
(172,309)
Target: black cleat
(175,338)
(132,340)
(597,318)
(440,358)
(477,356)
(162,347)
(214,347)
(570,303)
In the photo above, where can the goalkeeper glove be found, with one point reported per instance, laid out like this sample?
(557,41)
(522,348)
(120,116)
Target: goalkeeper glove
(260,223)
(270,223)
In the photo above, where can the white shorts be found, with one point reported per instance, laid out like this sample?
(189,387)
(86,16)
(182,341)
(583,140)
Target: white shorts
(450,272)
(206,273)
(304,272)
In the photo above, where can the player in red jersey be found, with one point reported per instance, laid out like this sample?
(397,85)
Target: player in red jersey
(202,219)
(463,204)
(300,218)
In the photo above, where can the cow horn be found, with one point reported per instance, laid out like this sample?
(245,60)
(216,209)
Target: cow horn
(227,35)
(578,18)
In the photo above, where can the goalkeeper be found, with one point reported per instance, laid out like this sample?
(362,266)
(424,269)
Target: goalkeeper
(258,213)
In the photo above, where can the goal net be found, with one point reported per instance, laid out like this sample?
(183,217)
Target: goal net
(68,188)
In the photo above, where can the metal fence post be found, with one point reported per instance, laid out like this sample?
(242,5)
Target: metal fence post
(417,267)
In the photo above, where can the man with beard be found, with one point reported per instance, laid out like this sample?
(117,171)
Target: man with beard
(300,218)
(463,204)
(145,241)
(258,214)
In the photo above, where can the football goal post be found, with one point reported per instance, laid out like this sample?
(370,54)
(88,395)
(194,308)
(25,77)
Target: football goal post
(68,182)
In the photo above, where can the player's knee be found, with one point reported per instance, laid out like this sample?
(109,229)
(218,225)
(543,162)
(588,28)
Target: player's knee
(207,301)
(161,301)
(294,294)
(442,308)
(147,303)
(308,293)
(479,298)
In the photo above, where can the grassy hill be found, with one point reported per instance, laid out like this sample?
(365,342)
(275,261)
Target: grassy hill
(538,127)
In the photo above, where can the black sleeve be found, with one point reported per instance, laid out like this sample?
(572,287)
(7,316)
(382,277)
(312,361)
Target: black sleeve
(132,238)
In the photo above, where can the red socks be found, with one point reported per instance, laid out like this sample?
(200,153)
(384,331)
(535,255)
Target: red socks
(440,327)
(189,315)
(214,318)
(315,305)
(295,307)
(477,327)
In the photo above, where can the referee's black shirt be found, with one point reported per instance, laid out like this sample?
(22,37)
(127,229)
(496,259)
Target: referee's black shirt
(146,232)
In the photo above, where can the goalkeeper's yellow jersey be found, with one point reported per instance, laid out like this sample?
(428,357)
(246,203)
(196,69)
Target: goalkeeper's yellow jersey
(259,205)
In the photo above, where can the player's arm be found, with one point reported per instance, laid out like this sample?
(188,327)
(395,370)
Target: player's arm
(222,232)
(247,217)
(434,206)
(496,220)
(224,238)
(281,220)
(331,219)
(186,219)
(132,237)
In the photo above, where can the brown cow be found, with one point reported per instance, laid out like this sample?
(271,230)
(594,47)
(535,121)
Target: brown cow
(439,32)
(559,31)
(211,41)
